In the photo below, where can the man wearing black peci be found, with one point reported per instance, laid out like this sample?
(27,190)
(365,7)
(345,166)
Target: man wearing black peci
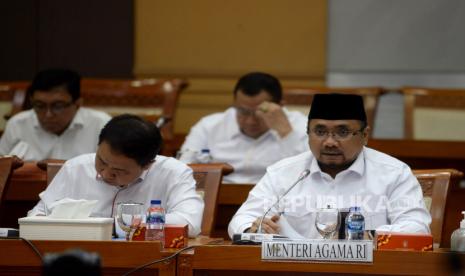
(343,172)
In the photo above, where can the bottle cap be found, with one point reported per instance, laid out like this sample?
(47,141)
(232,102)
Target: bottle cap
(155,201)
(205,151)
(354,209)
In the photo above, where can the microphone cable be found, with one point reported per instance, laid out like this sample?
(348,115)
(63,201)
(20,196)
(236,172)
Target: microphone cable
(168,257)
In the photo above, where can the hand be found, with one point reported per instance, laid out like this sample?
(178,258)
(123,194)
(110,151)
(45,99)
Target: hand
(269,225)
(274,117)
(17,162)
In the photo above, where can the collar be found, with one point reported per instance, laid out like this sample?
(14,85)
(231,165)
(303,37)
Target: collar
(357,167)
(232,127)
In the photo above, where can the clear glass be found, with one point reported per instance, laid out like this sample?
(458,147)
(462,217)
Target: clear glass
(129,216)
(327,222)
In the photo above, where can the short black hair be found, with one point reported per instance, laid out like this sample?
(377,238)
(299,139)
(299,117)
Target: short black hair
(49,79)
(133,137)
(253,83)
(71,262)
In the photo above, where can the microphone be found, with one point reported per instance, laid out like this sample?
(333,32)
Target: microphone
(302,176)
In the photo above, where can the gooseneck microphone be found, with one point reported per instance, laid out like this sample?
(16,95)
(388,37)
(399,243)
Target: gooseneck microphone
(302,176)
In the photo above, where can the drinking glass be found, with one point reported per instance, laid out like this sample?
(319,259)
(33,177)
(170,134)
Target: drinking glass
(327,221)
(129,216)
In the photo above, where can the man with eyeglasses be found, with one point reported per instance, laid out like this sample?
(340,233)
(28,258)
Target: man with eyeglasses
(127,167)
(253,134)
(339,171)
(56,126)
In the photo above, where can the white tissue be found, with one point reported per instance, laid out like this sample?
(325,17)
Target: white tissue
(68,208)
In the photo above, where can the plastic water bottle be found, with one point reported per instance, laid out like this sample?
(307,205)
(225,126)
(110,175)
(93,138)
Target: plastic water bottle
(457,240)
(204,156)
(355,224)
(155,222)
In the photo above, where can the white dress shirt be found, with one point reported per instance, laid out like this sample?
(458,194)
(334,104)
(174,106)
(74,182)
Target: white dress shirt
(167,179)
(249,157)
(25,137)
(386,190)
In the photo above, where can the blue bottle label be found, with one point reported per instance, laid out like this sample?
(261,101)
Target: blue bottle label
(155,218)
(356,225)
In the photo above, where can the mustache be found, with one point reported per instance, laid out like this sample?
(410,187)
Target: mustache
(330,151)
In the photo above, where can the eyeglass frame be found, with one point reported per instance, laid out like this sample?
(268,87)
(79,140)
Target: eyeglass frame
(55,107)
(337,136)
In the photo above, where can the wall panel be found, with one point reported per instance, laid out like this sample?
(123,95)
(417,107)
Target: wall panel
(214,42)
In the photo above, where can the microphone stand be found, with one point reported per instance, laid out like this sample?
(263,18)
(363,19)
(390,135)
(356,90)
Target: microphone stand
(302,176)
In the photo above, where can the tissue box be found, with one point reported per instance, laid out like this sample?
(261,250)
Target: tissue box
(176,236)
(45,228)
(404,241)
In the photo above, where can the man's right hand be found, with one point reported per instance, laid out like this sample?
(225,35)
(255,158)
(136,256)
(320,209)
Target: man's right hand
(269,225)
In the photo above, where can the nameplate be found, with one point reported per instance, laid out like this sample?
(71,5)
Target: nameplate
(318,250)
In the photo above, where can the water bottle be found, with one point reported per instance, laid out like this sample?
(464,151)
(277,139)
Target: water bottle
(155,222)
(457,240)
(204,156)
(355,224)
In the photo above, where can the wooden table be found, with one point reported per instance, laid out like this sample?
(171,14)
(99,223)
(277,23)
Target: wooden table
(246,260)
(18,258)
(117,257)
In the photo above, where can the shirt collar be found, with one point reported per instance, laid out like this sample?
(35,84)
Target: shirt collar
(35,120)
(78,119)
(232,127)
(357,167)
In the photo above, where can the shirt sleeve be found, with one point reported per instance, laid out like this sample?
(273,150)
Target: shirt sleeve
(260,198)
(296,141)
(196,140)
(184,205)
(406,208)
(7,141)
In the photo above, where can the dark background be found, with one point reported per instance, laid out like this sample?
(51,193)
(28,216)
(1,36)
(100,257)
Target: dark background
(94,38)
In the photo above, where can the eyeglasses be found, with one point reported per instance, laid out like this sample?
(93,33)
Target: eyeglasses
(339,134)
(245,112)
(55,108)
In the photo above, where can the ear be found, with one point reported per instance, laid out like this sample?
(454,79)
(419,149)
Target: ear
(366,134)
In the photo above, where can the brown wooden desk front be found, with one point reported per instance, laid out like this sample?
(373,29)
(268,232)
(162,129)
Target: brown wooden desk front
(246,260)
(117,257)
